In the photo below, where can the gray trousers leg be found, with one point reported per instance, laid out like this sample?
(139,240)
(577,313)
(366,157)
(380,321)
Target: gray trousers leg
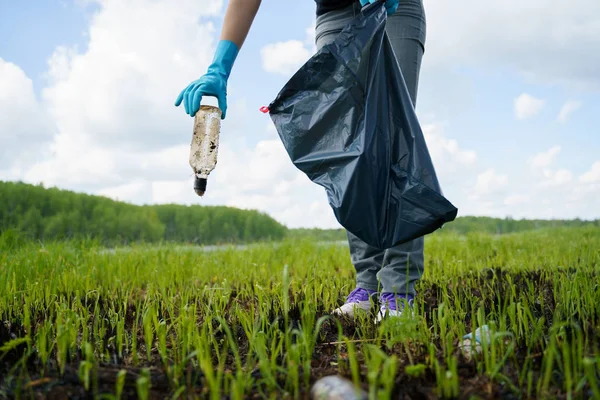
(400,267)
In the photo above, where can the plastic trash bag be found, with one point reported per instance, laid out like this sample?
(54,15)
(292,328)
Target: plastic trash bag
(347,121)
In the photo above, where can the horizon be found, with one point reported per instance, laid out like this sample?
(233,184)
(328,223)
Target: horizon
(505,218)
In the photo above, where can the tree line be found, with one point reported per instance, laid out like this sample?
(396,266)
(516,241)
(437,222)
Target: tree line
(464,225)
(54,214)
(510,225)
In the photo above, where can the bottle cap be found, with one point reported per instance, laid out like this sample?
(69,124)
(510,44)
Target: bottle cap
(200,186)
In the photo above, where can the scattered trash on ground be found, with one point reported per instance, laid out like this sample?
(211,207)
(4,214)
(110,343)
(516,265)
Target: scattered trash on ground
(334,387)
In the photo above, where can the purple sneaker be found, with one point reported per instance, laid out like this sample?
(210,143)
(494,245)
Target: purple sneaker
(359,298)
(392,305)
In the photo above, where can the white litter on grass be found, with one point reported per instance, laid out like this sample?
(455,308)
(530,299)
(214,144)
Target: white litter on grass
(471,344)
(334,387)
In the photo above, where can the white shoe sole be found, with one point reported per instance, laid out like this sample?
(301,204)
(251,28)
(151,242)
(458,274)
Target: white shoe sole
(383,314)
(350,309)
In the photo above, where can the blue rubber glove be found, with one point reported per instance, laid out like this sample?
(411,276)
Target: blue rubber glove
(213,83)
(390,5)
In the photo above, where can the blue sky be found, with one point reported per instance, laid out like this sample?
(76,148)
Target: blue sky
(87,91)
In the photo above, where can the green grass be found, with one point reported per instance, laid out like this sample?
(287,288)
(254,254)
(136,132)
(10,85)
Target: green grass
(166,321)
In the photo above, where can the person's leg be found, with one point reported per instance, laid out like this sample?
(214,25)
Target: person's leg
(367,260)
(403,265)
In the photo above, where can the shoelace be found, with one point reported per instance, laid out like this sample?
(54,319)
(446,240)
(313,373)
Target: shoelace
(358,294)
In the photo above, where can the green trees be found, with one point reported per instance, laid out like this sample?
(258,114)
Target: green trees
(509,225)
(462,225)
(38,213)
(200,224)
(53,214)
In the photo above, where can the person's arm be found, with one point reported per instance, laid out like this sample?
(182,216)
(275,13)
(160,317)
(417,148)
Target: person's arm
(236,25)
(238,20)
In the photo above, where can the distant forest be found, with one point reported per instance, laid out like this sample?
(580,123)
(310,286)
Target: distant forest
(463,225)
(52,214)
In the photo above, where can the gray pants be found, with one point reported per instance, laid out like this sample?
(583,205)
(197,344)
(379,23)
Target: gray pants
(397,268)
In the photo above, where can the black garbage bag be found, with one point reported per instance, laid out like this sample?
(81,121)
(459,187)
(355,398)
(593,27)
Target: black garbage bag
(347,121)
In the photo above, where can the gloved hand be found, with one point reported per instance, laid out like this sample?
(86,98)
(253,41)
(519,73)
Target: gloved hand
(213,83)
(390,5)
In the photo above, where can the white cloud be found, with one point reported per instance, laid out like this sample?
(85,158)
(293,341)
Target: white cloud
(265,178)
(556,178)
(439,146)
(544,176)
(310,36)
(544,159)
(553,193)
(120,91)
(567,109)
(527,106)
(499,40)
(138,191)
(516,199)
(12,174)
(79,162)
(489,182)
(451,161)
(593,175)
(25,129)
(284,57)
(544,40)
(272,130)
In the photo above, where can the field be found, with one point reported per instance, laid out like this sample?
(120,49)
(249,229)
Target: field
(161,321)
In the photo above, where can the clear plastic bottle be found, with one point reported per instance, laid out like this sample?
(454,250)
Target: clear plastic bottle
(205,145)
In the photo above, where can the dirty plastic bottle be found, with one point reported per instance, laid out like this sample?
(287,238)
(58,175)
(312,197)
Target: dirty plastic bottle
(334,387)
(468,348)
(205,145)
